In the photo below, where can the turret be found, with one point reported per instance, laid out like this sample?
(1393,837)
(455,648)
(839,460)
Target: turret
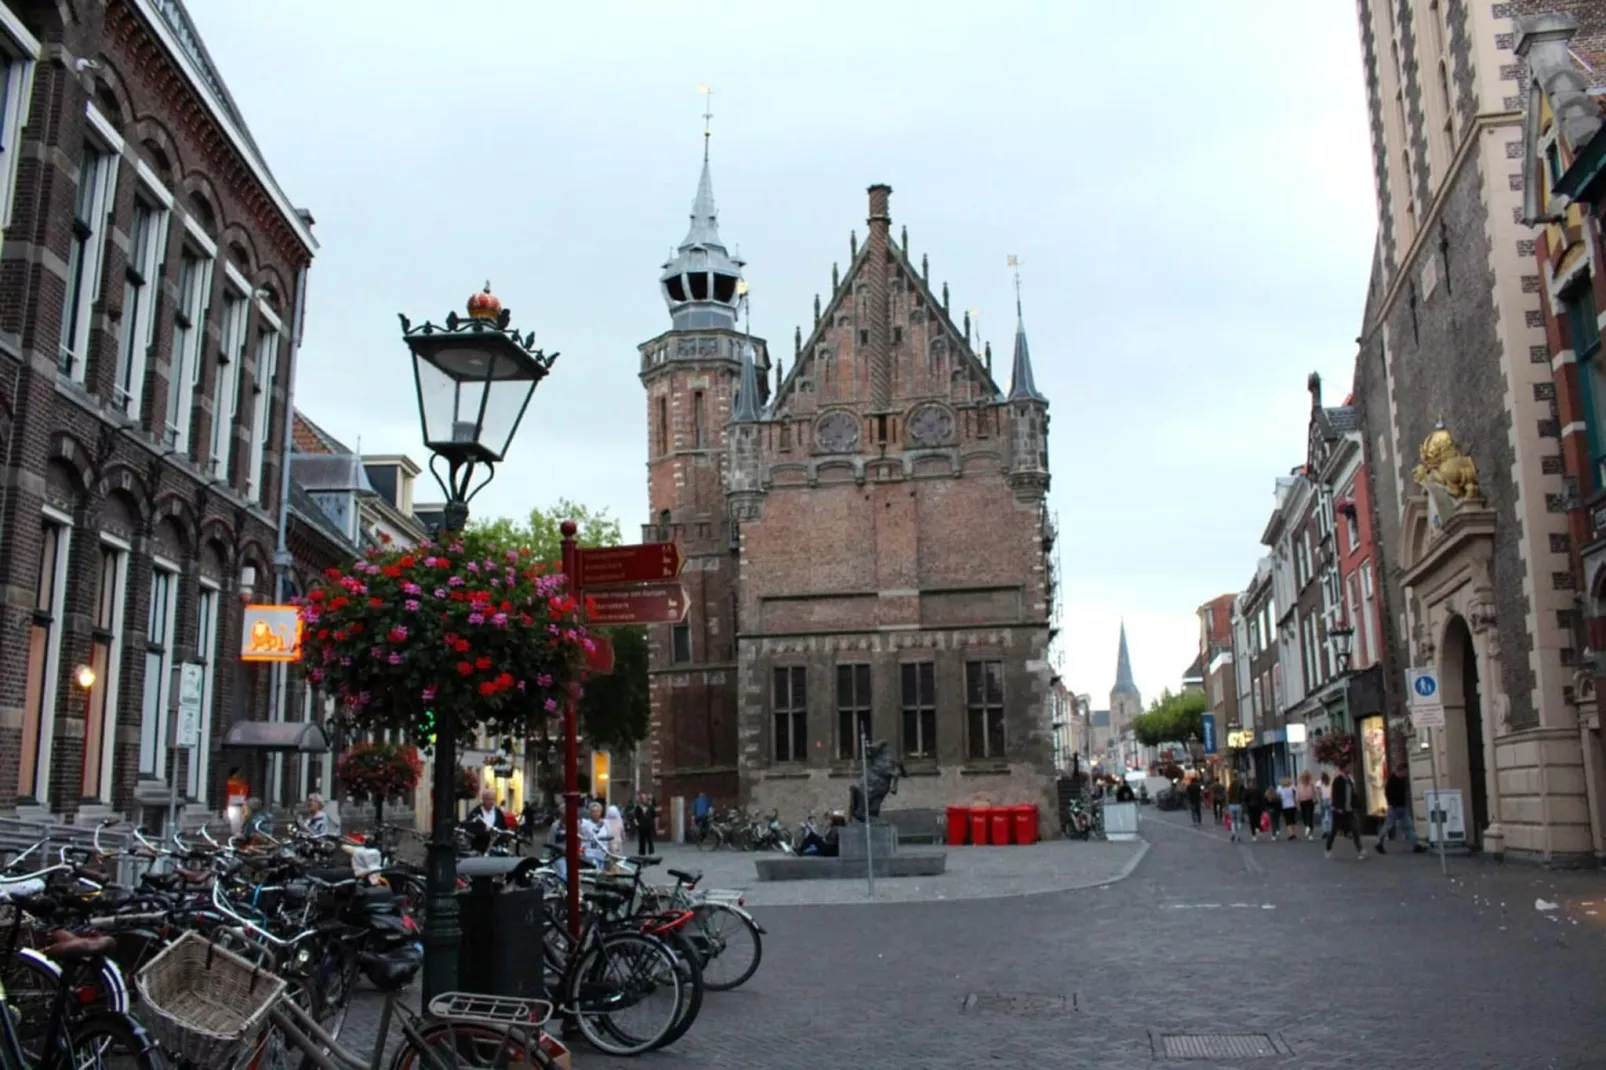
(744,467)
(1028,416)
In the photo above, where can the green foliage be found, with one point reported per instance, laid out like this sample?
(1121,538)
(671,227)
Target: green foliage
(541,531)
(1171,718)
(615,708)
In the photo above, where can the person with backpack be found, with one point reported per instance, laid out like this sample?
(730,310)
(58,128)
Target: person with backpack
(1345,819)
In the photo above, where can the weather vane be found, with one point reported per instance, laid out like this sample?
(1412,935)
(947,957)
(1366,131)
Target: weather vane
(708,116)
(1014,262)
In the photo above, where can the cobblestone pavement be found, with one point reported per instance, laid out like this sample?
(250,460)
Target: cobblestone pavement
(1383,964)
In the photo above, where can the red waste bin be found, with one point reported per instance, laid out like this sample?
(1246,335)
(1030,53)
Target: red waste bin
(1026,824)
(1000,830)
(978,826)
(958,819)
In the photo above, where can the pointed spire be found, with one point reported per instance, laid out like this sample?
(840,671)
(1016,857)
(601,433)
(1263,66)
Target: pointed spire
(925,269)
(797,340)
(704,219)
(836,279)
(1022,384)
(853,244)
(780,376)
(945,297)
(987,352)
(746,410)
(1124,684)
(700,278)
(967,315)
(816,310)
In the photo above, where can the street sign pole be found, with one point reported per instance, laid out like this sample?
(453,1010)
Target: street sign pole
(1427,714)
(864,767)
(1436,814)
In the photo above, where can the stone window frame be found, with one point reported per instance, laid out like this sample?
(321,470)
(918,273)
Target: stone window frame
(989,708)
(43,672)
(153,707)
(19,59)
(677,632)
(790,717)
(857,710)
(142,281)
(921,707)
(190,312)
(107,628)
(86,260)
(270,342)
(208,634)
(235,334)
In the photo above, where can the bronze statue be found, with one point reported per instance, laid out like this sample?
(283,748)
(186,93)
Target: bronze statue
(884,773)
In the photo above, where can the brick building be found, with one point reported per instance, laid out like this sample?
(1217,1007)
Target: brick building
(1215,658)
(1565,195)
(152,273)
(842,575)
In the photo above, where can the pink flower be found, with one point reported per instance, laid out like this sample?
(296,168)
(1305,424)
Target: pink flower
(412,588)
(395,659)
(473,566)
(521,685)
(455,548)
(440,592)
(428,694)
(550,705)
(411,605)
(475,618)
(455,581)
(543,680)
(500,620)
(398,633)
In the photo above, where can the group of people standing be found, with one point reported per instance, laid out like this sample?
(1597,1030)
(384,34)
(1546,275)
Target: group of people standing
(1329,802)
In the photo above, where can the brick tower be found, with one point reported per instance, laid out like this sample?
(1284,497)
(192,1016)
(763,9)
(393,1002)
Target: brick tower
(691,374)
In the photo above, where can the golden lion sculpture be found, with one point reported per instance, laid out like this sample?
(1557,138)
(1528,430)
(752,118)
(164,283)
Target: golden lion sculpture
(1443,463)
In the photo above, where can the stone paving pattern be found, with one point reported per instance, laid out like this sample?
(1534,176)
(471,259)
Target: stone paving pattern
(1383,964)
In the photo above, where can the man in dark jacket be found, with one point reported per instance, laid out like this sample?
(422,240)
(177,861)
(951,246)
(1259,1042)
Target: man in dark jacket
(1344,817)
(1195,793)
(1397,791)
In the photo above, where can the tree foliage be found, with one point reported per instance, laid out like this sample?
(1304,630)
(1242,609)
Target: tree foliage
(615,708)
(1171,718)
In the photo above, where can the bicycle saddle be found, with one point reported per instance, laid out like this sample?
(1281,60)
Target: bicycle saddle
(68,947)
(644,860)
(685,877)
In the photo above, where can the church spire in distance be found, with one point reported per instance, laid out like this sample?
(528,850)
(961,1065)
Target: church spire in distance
(1124,684)
(701,281)
(1022,385)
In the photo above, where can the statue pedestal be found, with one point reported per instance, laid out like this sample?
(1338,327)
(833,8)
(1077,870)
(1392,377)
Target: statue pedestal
(877,841)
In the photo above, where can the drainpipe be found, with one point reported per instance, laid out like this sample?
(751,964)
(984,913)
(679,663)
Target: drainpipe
(282,560)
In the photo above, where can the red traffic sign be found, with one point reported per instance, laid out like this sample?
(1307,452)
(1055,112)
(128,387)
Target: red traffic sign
(614,566)
(599,659)
(664,604)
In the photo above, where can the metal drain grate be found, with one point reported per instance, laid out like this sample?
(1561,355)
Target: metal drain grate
(1219,1046)
(1021,1005)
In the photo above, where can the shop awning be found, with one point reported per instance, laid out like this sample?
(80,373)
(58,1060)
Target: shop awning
(294,737)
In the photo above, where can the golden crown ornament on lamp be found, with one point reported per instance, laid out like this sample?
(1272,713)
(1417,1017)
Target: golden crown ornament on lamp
(484,305)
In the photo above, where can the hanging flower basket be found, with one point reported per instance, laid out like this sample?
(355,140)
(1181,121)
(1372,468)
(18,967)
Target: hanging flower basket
(376,772)
(472,634)
(468,783)
(1335,748)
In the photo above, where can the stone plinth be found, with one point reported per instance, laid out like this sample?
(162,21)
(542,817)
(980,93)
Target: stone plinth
(804,868)
(876,841)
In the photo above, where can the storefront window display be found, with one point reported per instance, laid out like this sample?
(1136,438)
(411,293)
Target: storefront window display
(1374,763)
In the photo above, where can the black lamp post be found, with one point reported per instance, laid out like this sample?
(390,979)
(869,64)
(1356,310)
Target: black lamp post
(475,378)
(1341,636)
(1195,749)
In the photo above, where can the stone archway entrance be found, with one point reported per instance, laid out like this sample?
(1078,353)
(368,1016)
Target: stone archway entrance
(1465,763)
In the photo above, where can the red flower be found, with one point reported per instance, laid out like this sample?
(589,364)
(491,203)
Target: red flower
(392,571)
(384,537)
(332,573)
(505,680)
(406,562)
(487,688)
(375,603)
(464,669)
(316,595)
(323,633)
(397,634)
(482,663)
(461,646)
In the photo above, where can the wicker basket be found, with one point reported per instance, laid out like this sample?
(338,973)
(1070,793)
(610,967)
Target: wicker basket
(201,1001)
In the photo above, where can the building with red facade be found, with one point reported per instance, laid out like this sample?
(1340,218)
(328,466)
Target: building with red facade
(867,545)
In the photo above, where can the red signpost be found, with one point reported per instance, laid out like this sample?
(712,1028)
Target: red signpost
(626,585)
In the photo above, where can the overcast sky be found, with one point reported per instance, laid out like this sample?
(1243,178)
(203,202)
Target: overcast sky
(1186,185)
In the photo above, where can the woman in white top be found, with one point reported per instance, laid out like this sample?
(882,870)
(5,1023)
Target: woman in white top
(594,837)
(1287,800)
(616,829)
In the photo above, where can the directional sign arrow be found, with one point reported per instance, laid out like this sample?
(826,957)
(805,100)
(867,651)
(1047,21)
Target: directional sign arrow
(613,566)
(661,604)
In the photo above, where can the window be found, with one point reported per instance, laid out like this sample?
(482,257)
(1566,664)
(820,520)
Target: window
(158,670)
(19,50)
(984,708)
(663,425)
(97,175)
(105,657)
(697,420)
(791,708)
(852,709)
(680,642)
(147,240)
(261,413)
(189,318)
(1583,330)
(44,657)
(206,604)
(226,391)
(919,709)
(1352,532)
(1368,612)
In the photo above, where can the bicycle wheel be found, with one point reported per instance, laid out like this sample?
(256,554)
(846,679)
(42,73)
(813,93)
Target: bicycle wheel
(690,969)
(723,936)
(619,974)
(709,839)
(106,1039)
(468,1044)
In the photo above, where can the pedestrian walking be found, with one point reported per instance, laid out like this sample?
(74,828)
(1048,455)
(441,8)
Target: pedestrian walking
(1344,816)
(646,825)
(1324,801)
(1305,799)
(616,827)
(1235,811)
(1274,809)
(1195,792)
(1218,799)
(1397,792)
(1254,807)
(1287,800)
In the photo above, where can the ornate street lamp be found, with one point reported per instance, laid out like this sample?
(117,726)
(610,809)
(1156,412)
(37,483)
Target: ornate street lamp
(1341,637)
(475,378)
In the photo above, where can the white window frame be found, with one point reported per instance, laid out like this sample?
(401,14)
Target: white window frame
(49,689)
(90,251)
(189,343)
(20,52)
(206,648)
(226,390)
(267,368)
(138,328)
(114,666)
(158,766)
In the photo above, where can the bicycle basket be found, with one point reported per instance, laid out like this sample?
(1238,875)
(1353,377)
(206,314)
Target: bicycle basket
(201,1001)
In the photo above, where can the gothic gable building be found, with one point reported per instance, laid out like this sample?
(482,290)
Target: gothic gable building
(866,544)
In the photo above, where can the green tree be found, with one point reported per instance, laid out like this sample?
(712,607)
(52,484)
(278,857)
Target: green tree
(1171,718)
(615,708)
